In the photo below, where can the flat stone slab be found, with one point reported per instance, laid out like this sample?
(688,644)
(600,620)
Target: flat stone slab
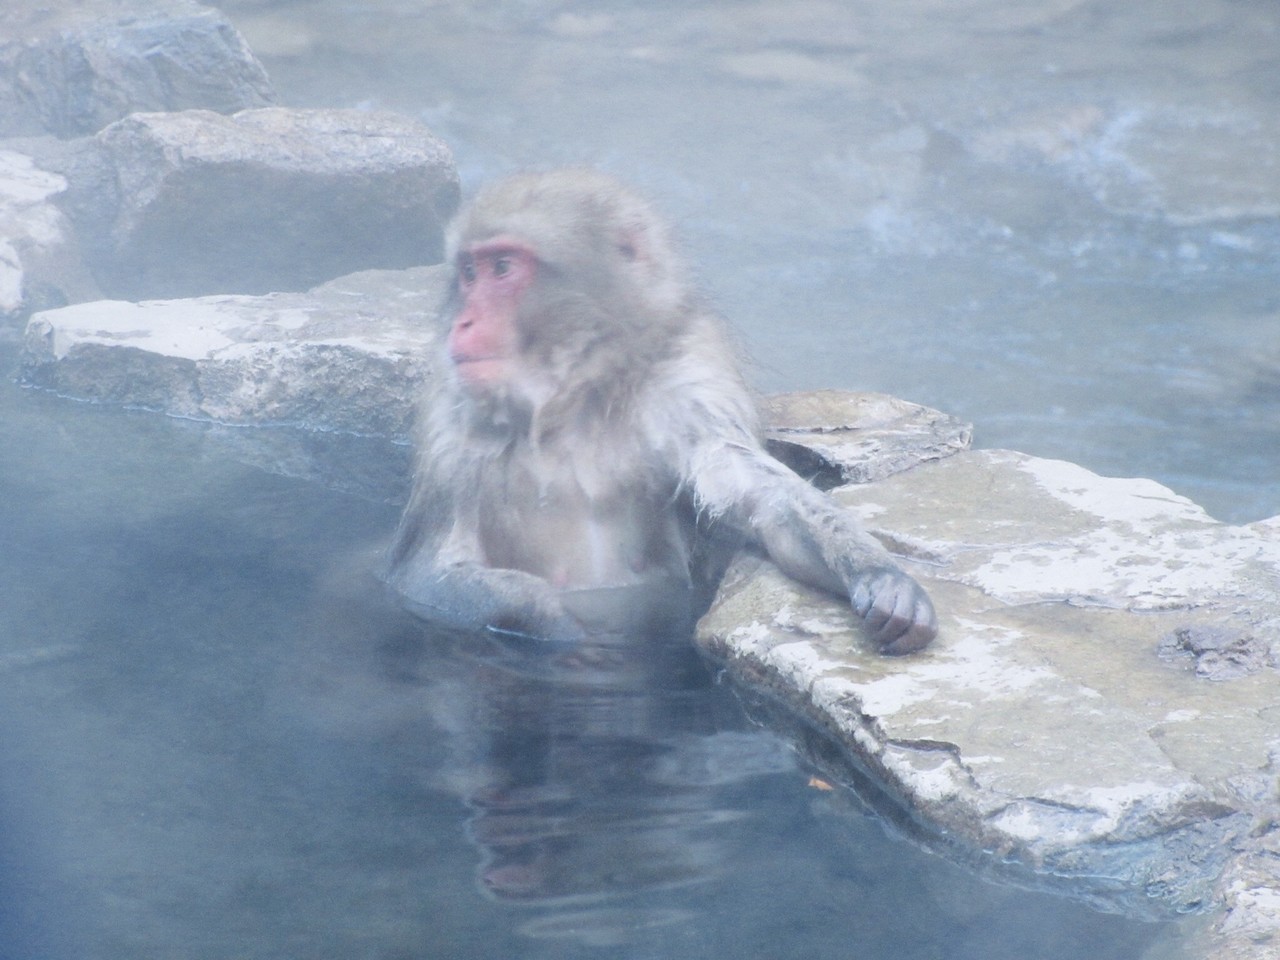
(350,355)
(1064,720)
(353,354)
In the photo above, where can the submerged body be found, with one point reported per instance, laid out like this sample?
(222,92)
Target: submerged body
(593,435)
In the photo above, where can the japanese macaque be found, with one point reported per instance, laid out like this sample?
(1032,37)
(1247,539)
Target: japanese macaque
(592,449)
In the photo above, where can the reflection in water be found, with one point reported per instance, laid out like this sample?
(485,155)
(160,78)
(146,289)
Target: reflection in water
(593,773)
(618,803)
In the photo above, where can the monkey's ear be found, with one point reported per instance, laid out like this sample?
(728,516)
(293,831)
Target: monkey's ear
(638,236)
(643,243)
(628,247)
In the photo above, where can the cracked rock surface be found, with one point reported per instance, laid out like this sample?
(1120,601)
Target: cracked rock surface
(1070,718)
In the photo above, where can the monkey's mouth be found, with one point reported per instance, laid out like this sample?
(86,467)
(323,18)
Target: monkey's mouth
(479,368)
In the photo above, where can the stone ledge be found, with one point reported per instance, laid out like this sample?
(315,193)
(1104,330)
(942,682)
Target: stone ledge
(1044,727)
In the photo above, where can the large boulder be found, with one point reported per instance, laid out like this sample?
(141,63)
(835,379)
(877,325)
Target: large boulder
(166,205)
(271,199)
(71,68)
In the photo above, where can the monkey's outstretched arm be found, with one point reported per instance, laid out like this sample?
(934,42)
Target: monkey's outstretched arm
(815,540)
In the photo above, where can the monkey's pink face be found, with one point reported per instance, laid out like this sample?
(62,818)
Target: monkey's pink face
(493,277)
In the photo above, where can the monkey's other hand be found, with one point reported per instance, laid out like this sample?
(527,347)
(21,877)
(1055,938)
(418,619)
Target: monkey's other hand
(542,619)
(474,597)
(896,612)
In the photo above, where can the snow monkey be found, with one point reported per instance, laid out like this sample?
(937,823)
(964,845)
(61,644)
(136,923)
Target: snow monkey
(592,436)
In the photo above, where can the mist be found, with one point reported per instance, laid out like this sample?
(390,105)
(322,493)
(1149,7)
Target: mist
(1057,219)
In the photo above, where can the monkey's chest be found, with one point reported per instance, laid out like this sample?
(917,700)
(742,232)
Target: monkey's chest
(626,534)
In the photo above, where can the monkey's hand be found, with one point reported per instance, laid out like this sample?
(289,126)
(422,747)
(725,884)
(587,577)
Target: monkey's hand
(895,610)
(474,597)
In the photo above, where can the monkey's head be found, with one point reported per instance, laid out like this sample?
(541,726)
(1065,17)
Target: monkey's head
(558,279)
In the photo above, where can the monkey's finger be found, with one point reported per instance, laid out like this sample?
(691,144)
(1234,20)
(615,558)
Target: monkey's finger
(865,597)
(897,614)
(919,633)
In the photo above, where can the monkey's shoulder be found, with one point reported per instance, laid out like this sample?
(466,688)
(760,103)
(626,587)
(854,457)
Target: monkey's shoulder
(697,395)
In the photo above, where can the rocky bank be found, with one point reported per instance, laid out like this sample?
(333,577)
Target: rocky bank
(1098,713)
(1100,704)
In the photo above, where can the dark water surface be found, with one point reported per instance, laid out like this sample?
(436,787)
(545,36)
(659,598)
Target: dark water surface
(220,742)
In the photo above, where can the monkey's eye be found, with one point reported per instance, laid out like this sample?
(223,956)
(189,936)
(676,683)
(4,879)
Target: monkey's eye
(467,271)
(501,266)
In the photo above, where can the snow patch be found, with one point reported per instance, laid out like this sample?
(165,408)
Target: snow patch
(971,664)
(1134,501)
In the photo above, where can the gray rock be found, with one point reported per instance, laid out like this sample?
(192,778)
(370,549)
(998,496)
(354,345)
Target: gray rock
(348,356)
(270,199)
(1043,726)
(40,263)
(185,204)
(834,437)
(1245,924)
(71,68)
(1218,654)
